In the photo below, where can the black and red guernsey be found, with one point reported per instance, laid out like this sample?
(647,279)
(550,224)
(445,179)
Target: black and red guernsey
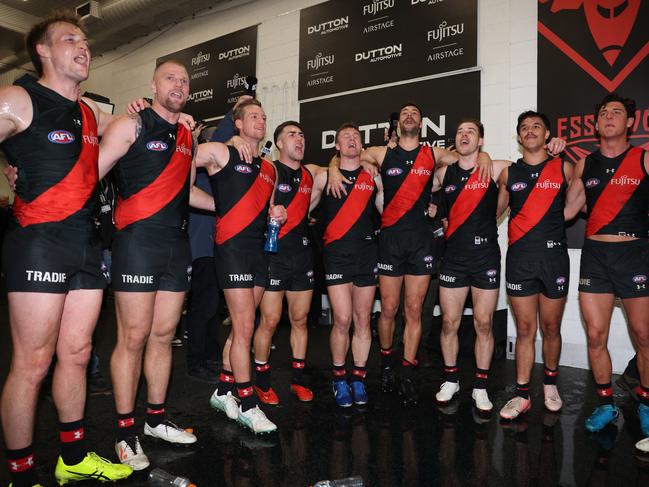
(293,191)
(242,197)
(153,177)
(352,218)
(537,198)
(407,180)
(56,157)
(617,193)
(471,205)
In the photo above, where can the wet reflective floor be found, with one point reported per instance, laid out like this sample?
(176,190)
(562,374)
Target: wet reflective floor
(384,443)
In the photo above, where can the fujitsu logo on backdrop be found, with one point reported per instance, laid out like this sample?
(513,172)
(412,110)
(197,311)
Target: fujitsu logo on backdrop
(236,81)
(377,6)
(320,61)
(444,30)
(200,58)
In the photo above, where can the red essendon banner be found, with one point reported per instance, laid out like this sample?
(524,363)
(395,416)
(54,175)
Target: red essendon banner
(586,49)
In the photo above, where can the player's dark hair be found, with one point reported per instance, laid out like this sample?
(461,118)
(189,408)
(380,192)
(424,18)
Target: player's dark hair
(40,33)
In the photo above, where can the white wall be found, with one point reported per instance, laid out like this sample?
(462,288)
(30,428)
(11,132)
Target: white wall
(507,56)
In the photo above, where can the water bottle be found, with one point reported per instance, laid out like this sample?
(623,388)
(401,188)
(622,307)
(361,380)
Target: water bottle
(356,481)
(160,478)
(271,236)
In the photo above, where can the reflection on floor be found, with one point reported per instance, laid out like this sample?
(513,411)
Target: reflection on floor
(384,443)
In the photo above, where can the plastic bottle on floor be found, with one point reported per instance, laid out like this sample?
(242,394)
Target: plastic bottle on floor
(160,478)
(356,481)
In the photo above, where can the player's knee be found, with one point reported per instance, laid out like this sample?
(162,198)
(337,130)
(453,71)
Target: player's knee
(389,310)
(32,368)
(482,324)
(552,331)
(596,339)
(526,330)
(342,322)
(268,322)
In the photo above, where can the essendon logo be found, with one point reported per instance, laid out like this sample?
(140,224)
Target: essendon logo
(284,188)
(591,183)
(394,171)
(243,169)
(156,146)
(61,137)
(518,186)
(610,23)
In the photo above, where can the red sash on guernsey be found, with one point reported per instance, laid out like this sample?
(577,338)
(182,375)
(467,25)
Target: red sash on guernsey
(613,198)
(411,188)
(152,198)
(71,193)
(351,209)
(299,205)
(244,212)
(466,202)
(538,201)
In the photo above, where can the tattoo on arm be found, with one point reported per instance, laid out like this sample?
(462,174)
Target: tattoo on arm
(138,124)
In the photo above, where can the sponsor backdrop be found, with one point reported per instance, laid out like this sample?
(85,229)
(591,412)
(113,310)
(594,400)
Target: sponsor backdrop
(348,45)
(591,48)
(441,112)
(217,71)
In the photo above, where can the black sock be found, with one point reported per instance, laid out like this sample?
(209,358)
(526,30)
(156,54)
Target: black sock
(387,358)
(523,390)
(408,368)
(338,372)
(605,393)
(226,382)
(452,373)
(262,375)
(643,394)
(481,378)
(73,444)
(297,367)
(550,376)
(246,395)
(155,414)
(21,467)
(126,426)
(359,373)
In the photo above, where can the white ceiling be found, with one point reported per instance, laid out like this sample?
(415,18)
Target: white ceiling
(122,21)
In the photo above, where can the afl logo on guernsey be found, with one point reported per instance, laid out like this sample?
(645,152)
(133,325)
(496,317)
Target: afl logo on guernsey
(640,279)
(284,188)
(561,280)
(450,188)
(394,171)
(157,146)
(428,258)
(242,168)
(61,137)
(519,186)
(492,273)
(591,183)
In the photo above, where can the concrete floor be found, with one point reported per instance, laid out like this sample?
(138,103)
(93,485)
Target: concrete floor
(384,443)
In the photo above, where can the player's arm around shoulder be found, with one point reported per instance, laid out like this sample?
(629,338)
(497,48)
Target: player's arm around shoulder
(576,194)
(16,111)
(319,183)
(116,140)
(213,156)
